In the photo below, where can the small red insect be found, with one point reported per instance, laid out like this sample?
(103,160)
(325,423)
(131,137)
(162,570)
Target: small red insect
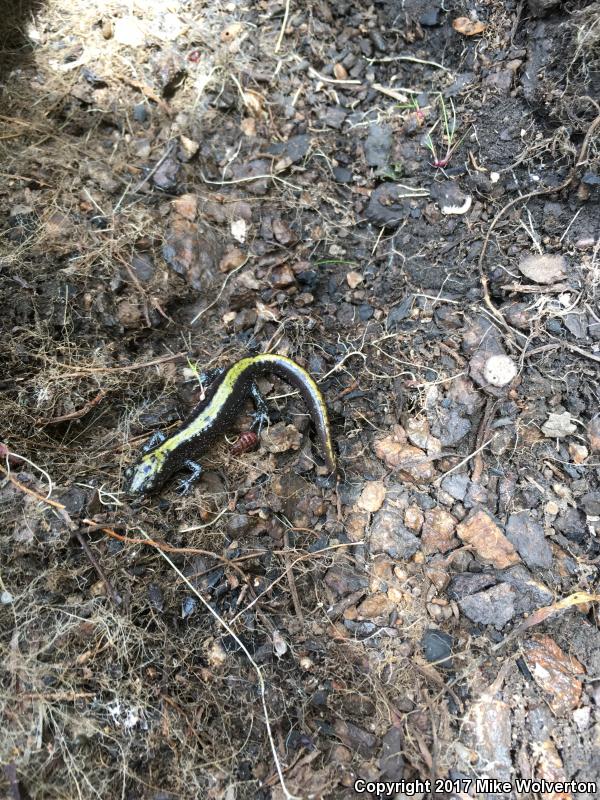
(194,56)
(248,441)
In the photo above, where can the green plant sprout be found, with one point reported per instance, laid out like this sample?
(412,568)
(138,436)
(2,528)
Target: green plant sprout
(193,368)
(412,104)
(448,136)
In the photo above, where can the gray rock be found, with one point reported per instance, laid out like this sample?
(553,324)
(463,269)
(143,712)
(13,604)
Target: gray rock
(140,112)
(437,647)
(334,117)
(593,327)
(590,503)
(501,79)
(342,580)
(165,177)
(495,606)
(74,500)
(476,496)
(391,763)
(401,311)
(518,314)
(255,167)
(389,204)
(388,535)
(545,268)
(357,739)
(456,486)
(450,427)
(430,17)
(527,536)
(143,266)
(539,8)
(378,145)
(296,147)
(576,324)
(360,629)
(572,524)
(239,524)
(487,731)
(155,596)
(553,213)
(450,197)
(188,606)
(463,79)
(342,174)
(529,593)
(468,583)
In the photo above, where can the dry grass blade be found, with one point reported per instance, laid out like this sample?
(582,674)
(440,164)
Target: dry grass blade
(547,612)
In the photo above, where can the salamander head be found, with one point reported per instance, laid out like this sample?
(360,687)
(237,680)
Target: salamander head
(145,476)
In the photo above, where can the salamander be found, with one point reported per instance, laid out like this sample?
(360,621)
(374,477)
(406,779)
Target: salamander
(226,392)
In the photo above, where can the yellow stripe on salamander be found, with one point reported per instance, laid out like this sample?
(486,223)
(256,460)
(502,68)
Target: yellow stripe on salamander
(314,390)
(206,418)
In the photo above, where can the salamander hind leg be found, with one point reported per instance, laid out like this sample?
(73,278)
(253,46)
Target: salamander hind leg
(261,414)
(185,486)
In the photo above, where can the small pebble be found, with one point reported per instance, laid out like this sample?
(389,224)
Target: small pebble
(499,370)
(437,647)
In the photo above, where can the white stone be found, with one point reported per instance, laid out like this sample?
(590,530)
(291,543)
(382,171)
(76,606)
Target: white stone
(129,31)
(558,425)
(499,370)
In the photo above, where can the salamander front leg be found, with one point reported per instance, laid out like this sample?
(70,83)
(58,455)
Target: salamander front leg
(261,415)
(208,376)
(185,486)
(157,438)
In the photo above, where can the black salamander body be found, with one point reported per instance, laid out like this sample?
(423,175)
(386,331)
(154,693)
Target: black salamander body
(216,414)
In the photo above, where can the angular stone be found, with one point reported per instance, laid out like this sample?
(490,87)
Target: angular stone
(593,432)
(355,525)
(590,503)
(468,583)
(388,535)
(456,486)
(342,580)
(529,593)
(407,459)
(558,425)
(375,606)
(555,672)
(357,739)
(378,145)
(544,269)
(488,731)
(437,535)
(528,538)
(372,496)
(391,762)
(494,606)
(437,647)
(488,541)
